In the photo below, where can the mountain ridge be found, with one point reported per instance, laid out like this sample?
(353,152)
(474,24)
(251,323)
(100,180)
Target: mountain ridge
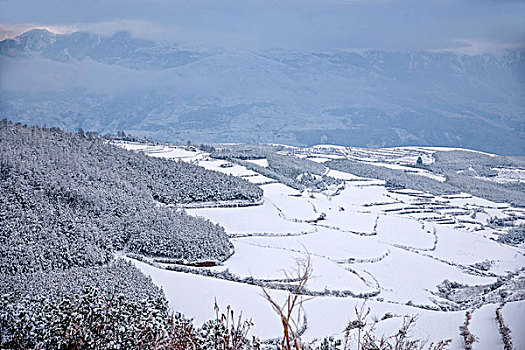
(157,89)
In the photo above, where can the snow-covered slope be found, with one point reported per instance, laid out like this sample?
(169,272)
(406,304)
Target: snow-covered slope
(403,252)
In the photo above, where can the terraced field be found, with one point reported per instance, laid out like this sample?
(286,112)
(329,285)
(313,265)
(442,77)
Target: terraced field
(400,250)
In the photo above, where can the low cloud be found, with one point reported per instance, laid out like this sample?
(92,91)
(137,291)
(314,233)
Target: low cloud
(10,31)
(312,25)
(476,46)
(139,29)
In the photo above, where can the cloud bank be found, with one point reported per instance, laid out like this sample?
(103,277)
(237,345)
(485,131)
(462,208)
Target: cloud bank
(470,26)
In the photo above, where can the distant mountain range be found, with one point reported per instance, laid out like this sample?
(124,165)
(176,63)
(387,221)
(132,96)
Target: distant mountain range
(161,90)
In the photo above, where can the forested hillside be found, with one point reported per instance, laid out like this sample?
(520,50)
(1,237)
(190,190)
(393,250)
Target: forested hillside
(69,200)
(82,307)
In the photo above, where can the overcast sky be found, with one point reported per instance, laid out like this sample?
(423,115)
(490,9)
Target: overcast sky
(468,26)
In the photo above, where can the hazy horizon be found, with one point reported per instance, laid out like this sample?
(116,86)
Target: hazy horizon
(272,71)
(465,26)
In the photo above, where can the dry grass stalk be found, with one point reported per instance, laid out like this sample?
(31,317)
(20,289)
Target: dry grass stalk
(290,312)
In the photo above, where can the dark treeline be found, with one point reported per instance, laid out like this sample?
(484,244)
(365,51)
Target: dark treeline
(239,151)
(463,169)
(392,177)
(298,173)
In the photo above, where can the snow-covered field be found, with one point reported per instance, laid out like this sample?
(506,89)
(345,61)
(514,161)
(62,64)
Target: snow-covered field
(393,247)
(506,175)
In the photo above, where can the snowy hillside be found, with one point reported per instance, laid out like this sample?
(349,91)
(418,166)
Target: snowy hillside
(404,232)
(157,89)
(399,250)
